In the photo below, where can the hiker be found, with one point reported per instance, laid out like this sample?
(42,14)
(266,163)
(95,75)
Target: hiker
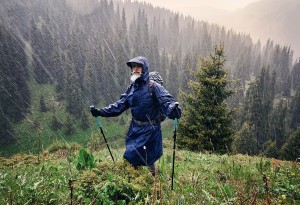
(144,137)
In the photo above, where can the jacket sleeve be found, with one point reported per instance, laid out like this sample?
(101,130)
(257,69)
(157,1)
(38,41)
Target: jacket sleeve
(116,108)
(166,101)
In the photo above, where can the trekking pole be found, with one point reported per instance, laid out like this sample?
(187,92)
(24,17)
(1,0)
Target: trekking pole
(174,147)
(100,126)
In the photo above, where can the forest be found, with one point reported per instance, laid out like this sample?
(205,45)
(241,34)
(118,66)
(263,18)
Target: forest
(82,52)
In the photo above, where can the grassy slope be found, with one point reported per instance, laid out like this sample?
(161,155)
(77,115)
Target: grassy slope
(199,177)
(32,139)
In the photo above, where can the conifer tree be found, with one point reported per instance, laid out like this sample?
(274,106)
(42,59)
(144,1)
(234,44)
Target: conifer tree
(56,124)
(14,92)
(6,131)
(69,128)
(207,120)
(295,111)
(73,92)
(291,149)
(258,106)
(43,107)
(244,141)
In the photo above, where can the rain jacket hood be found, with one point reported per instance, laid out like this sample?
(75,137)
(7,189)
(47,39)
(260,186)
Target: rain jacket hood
(144,62)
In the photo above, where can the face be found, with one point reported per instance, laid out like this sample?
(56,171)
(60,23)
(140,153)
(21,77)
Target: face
(136,69)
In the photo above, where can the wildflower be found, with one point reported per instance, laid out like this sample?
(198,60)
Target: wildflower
(283,196)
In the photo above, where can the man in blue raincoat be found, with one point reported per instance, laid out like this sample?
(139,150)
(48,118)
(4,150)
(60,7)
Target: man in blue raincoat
(144,137)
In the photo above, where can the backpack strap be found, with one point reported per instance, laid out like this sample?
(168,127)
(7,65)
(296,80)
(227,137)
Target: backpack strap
(151,87)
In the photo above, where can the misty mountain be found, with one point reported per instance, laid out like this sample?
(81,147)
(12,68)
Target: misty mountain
(264,19)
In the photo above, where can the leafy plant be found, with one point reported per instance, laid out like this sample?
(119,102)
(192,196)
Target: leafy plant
(85,160)
(199,178)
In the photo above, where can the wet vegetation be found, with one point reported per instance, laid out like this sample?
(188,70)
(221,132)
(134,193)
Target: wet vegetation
(57,176)
(57,59)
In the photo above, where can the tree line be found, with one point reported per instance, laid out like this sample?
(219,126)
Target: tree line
(84,56)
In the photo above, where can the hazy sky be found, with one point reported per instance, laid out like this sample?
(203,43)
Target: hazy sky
(184,5)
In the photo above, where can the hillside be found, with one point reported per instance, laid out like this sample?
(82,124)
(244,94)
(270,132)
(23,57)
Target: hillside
(264,19)
(55,177)
(59,57)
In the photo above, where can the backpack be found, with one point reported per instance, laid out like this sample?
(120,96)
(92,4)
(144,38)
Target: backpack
(156,78)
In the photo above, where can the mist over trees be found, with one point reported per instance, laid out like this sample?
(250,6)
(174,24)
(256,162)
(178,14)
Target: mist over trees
(83,53)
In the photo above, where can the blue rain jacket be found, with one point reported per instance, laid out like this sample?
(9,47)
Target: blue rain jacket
(144,137)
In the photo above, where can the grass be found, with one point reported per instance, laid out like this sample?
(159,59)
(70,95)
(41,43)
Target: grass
(35,132)
(200,178)
(41,168)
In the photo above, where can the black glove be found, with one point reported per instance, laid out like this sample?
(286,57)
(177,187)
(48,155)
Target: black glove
(176,111)
(95,112)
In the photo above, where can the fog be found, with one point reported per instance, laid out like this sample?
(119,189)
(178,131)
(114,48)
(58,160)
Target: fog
(262,19)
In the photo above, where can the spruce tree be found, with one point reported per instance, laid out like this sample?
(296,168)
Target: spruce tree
(291,149)
(258,106)
(207,121)
(43,107)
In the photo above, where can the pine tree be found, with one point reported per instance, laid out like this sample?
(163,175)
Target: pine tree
(6,131)
(207,121)
(291,149)
(73,93)
(244,141)
(41,73)
(295,110)
(84,121)
(14,92)
(43,107)
(258,106)
(56,124)
(69,128)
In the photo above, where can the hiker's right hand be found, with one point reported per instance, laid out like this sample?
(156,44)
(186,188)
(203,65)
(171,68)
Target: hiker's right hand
(95,112)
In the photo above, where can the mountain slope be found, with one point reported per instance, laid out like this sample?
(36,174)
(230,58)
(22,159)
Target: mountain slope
(274,19)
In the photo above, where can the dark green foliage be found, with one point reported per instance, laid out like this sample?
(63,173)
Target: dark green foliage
(56,124)
(43,107)
(279,123)
(85,160)
(73,92)
(85,124)
(291,149)
(244,141)
(295,110)
(258,106)
(39,51)
(69,128)
(14,92)
(206,123)
(6,131)
(271,149)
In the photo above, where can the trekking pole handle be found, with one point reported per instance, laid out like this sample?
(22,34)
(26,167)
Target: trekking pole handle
(176,120)
(97,119)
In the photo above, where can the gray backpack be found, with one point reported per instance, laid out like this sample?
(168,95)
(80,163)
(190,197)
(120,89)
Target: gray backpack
(155,77)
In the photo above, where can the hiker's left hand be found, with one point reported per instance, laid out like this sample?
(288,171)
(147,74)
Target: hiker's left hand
(176,111)
(95,112)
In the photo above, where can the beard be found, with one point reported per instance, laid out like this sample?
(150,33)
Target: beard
(133,77)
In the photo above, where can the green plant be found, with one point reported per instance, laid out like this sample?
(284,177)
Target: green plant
(85,160)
